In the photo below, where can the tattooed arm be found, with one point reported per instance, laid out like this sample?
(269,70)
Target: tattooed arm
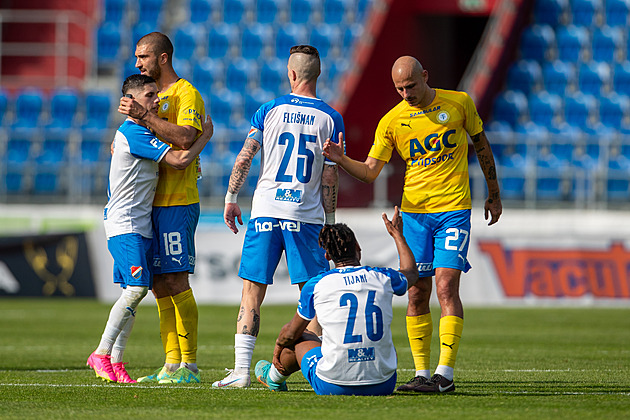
(493,204)
(330,185)
(237,179)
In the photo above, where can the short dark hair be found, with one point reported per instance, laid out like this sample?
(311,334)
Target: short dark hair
(304,49)
(339,242)
(136,81)
(159,42)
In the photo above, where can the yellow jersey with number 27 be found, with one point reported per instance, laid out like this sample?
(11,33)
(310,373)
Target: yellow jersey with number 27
(433,143)
(180,104)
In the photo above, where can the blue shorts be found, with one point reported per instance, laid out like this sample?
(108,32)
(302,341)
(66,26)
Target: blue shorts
(321,387)
(267,237)
(438,240)
(174,238)
(132,254)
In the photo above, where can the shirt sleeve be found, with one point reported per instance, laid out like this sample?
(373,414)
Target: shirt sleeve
(338,128)
(258,119)
(306,304)
(473,123)
(191,109)
(144,145)
(383,141)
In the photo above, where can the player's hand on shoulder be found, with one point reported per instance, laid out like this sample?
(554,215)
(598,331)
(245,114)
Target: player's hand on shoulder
(332,150)
(231,214)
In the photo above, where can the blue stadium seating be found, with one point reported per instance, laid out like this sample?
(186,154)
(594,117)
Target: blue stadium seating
(571,42)
(269,11)
(511,107)
(222,105)
(221,39)
(594,77)
(621,78)
(150,11)
(324,37)
(273,76)
(525,76)
(559,77)
(187,41)
(207,73)
(550,12)
(335,11)
(255,38)
(47,181)
(64,105)
(617,12)
(139,30)
(501,138)
(585,12)
(618,179)
(98,106)
(29,106)
(607,43)
(254,99)
(562,140)
(108,43)
(363,8)
(289,35)
(333,71)
(512,180)
(240,74)
(537,41)
(234,11)
(351,33)
(614,110)
(303,11)
(114,10)
(579,109)
(4,105)
(54,151)
(93,149)
(183,68)
(15,181)
(201,10)
(19,150)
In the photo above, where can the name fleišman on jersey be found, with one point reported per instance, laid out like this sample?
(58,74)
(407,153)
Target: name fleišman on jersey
(180,104)
(133,175)
(354,307)
(294,129)
(433,143)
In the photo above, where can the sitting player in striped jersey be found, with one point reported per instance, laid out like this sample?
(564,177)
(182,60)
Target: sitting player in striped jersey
(127,217)
(353,304)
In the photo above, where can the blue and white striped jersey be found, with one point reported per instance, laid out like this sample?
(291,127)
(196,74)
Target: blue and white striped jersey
(133,176)
(292,130)
(354,307)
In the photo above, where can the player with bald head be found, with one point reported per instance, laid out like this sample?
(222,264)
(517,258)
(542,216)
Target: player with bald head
(175,208)
(429,129)
(295,195)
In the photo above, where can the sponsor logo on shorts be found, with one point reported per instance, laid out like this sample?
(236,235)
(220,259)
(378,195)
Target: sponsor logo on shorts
(361,354)
(293,196)
(425,267)
(288,225)
(177,260)
(136,272)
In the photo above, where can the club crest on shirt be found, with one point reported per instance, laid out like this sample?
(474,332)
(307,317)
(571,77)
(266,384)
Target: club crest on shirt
(136,272)
(165,106)
(443,117)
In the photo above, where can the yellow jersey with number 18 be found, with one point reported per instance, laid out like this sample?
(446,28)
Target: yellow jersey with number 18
(433,143)
(180,104)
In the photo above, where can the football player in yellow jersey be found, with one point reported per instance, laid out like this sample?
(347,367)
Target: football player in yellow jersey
(175,208)
(429,129)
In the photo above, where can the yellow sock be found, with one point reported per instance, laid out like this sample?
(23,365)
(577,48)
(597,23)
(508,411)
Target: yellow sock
(419,331)
(168,330)
(451,328)
(187,318)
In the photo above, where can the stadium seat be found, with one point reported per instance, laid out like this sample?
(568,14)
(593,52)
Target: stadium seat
(235,11)
(335,71)
(607,44)
(183,68)
(208,73)
(19,150)
(510,107)
(571,42)
(621,78)
(115,10)
(585,12)
(562,140)
(15,182)
(512,180)
(303,11)
(150,11)
(98,107)
(614,110)
(54,150)
(363,7)
(93,150)
(221,40)
(501,138)
(617,12)
(524,76)
(270,11)
(273,76)
(4,105)
(289,35)
(351,33)
(335,11)
(255,39)
(139,30)
(29,106)
(108,43)
(618,179)
(47,182)
(550,12)
(579,109)
(63,108)
(537,41)
(325,38)
(240,74)
(550,183)
(559,77)
(594,77)
(254,99)
(187,41)
(201,10)
(222,106)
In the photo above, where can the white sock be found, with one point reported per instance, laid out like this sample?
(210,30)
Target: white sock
(121,312)
(276,376)
(243,351)
(424,373)
(445,371)
(190,366)
(121,341)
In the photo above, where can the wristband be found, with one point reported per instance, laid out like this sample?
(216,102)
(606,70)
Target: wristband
(230,198)
(330,218)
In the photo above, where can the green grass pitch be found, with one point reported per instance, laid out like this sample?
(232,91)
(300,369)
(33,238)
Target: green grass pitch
(513,363)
